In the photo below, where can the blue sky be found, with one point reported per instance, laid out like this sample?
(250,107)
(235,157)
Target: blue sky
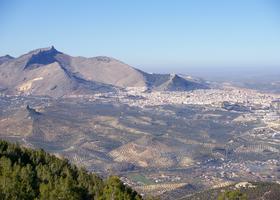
(158,35)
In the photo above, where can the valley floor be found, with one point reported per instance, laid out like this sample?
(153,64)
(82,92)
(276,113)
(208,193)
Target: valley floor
(160,143)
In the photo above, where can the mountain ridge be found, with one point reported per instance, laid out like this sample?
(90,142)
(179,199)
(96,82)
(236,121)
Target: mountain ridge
(49,72)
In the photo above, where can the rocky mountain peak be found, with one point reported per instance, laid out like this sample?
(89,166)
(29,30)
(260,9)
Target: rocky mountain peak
(43,56)
(5,58)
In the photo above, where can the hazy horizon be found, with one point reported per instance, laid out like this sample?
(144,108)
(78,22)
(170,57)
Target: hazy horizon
(219,73)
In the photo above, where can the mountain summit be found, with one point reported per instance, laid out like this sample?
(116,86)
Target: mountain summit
(49,72)
(42,57)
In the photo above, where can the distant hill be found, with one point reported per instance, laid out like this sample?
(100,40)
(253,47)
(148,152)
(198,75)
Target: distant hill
(27,174)
(152,152)
(49,72)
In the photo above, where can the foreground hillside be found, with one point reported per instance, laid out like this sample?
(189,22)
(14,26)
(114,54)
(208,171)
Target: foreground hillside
(34,174)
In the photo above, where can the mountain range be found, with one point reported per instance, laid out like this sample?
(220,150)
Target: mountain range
(49,72)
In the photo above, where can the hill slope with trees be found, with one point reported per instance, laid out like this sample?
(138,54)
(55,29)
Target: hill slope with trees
(35,174)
